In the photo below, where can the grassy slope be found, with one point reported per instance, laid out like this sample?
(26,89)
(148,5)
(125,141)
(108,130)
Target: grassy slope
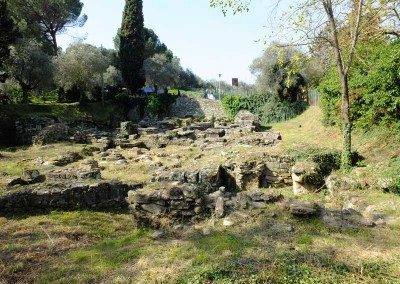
(100,247)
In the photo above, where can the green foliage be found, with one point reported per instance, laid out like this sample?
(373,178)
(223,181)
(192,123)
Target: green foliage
(81,67)
(132,45)
(232,105)
(162,71)
(272,109)
(88,151)
(330,98)
(29,66)
(374,85)
(8,32)
(269,108)
(276,110)
(394,186)
(45,19)
(158,104)
(282,72)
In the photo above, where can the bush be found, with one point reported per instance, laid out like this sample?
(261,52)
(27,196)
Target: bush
(232,105)
(269,108)
(374,85)
(158,104)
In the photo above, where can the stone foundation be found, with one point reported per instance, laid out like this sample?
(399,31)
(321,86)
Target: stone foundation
(57,196)
(194,106)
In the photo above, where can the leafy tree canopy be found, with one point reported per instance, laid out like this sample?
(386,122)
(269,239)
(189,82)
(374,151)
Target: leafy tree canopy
(80,67)
(48,18)
(29,66)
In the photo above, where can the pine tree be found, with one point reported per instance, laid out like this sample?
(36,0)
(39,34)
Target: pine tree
(8,32)
(132,45)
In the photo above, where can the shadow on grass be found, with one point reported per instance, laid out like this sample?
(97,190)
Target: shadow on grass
(252,252)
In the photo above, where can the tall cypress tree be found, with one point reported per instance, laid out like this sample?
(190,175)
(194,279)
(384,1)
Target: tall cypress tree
(132,45)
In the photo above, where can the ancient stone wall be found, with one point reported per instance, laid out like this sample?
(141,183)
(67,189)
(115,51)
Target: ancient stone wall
(195,106)
(29,127)
(76,196)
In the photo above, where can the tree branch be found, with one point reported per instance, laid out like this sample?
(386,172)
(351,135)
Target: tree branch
(355,38)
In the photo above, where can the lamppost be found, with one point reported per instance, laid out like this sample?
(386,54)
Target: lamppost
(219,87)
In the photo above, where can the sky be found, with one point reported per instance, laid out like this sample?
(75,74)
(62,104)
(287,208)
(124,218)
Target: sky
(203,39)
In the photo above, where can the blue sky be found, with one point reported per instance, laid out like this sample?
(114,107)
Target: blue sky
(205,41)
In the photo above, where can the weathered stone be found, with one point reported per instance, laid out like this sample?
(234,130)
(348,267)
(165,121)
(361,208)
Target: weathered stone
(193,106)
(157,234)
(121,162)
(68,158)
(258,195)
(219,207)
(154,208)
(128,128)
(228,222)
(16,181)
(247,121)
(282,228)
(302,208)
(51,133)
(180,205)
(206,231)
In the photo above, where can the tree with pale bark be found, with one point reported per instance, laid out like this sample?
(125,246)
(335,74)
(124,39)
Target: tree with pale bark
(353,17)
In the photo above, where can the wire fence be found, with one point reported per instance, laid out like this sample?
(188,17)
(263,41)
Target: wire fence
(313,97)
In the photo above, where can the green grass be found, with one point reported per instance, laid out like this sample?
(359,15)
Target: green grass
(188,93)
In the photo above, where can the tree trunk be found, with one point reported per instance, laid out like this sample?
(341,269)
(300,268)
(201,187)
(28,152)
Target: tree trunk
(25,90)
(54,43)
(345,110)
(102,89)
(343,76)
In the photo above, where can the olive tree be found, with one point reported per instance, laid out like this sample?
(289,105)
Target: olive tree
(29,66)
(161,71)
(81,67)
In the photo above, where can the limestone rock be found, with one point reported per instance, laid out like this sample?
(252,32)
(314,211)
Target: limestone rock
(219,207)
(157,234)
(302,208)
(228,222)
(282,228)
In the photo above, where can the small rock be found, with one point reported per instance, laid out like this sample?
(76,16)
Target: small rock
(227,222)
(157,234)
(121,162)
(302,208)
(179,227)
(16,181)
(219,207)
(206,231)
(282,228)
(380,222)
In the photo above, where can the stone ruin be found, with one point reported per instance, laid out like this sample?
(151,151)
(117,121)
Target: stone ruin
(172,195)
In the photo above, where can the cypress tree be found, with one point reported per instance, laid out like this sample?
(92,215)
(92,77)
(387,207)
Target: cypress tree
(132,45)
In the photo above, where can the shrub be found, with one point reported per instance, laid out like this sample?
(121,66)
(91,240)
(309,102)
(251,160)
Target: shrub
(158,104)
(374,84)
(232,105)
